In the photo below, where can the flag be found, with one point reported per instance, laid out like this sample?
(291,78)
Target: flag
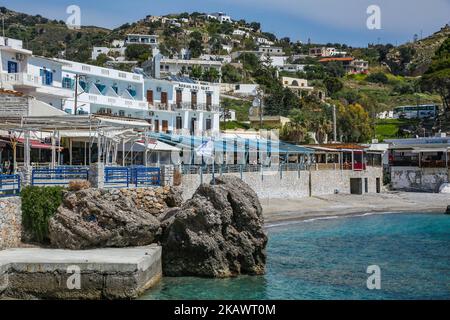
(206,149)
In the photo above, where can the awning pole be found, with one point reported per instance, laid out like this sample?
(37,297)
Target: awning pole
(70,151)
(53,151)
(123,152)
(27,150)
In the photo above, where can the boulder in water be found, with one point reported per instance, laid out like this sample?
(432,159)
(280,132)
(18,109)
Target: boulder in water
(219,232)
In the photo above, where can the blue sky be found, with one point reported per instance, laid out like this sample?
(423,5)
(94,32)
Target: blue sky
(321,20)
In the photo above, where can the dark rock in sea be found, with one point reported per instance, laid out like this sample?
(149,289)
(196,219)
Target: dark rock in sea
(448,210)
(97,218)
(217,233)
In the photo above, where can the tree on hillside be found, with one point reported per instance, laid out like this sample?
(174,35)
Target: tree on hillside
(211,75)
(333,85)
(196,72)
(335,69)
(354,123)
(196,44)
(377,77)
(256,26)
(230,74)
(437,77)
(138,52)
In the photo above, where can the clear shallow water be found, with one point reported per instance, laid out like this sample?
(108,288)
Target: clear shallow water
(327,259)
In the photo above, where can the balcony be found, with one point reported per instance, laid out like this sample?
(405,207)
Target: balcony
(28,81)
(196,107)
(114,101)
(21,80)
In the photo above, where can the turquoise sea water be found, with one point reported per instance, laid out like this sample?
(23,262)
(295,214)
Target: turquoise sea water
(328,258)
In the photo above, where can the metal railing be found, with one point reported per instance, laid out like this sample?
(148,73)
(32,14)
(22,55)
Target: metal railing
(240,168)
(117,177)
(58,176)
(9,185)
(137,176)
(145,176)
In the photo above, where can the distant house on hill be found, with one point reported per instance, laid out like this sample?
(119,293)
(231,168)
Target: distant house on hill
(351,65)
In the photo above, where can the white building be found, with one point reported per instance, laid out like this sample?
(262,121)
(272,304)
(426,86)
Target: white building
(111,92)
(148,39)
(38,77)
(183,106)
(292,67)
(326,52)
(275,61)
(239,89)
(116,54)
(180,66)
(264,41)
(239,32)
(271,51)
(300,87)
(220,16)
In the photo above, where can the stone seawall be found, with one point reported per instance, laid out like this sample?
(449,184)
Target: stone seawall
(10,222)
(294,184)
(112,273)
(418,179)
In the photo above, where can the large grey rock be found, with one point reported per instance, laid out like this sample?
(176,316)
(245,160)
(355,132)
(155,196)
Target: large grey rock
(217,233)
(94,218)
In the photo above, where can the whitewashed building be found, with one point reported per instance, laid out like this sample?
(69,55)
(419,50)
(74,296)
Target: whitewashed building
(148,39)
(176,104)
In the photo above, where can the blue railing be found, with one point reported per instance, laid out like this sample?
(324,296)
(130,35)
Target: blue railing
(145,176)
(117,177)
(138,176)
(9,185)
(59,175)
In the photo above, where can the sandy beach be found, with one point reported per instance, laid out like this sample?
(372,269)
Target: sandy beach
(279,210)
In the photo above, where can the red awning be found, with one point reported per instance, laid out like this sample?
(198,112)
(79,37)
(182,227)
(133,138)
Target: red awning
(37,144)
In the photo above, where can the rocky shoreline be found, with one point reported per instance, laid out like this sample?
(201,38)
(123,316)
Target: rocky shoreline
(219,232)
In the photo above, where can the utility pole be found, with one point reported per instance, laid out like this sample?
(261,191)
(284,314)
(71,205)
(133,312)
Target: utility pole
(77,81)
(334,124)
(76,94)
(261,96)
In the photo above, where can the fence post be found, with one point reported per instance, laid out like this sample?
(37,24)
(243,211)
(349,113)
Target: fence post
(97,175)
(240,170)
(166,175)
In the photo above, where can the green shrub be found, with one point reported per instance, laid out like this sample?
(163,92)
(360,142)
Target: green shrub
(39,204)
(377,77)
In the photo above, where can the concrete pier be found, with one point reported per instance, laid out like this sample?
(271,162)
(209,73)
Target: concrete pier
(113,273)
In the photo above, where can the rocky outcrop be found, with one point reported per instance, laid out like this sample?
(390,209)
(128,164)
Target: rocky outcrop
(10,222)
(94,218)
(217,233)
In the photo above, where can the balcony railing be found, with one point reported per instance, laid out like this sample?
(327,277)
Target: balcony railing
(21,79)
(193,106)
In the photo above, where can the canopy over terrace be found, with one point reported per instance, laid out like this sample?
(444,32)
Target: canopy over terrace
(432,155)
(347,156)
(106,132)
(235,150)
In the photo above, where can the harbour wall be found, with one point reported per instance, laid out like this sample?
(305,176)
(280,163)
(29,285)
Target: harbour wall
(294,184)
(418,179)
(10,222)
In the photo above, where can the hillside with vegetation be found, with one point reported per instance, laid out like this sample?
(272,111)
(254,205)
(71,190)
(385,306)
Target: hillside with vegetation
(394,78)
